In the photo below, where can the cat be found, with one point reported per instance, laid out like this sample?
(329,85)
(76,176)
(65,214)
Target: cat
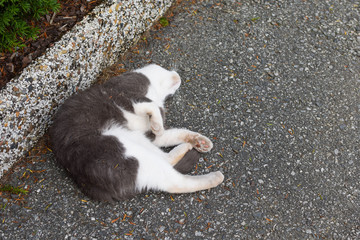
(109,139)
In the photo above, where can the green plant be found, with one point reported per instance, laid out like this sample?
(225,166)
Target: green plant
(163,22)
(255,19)
(17,19)
(13,190)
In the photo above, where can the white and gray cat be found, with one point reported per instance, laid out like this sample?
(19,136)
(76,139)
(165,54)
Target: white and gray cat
(109,139)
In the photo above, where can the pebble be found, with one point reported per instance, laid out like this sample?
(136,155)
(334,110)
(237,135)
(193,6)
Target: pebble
(343,126)
(257,214)
(161,229)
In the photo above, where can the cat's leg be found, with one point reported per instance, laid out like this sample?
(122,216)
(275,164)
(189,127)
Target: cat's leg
(175,136)
(154,174)
(151,110)
(178,152)
(172,181)
(189,183)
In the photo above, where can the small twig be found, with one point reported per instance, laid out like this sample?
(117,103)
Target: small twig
(63,28)
(52,18)
(72,17)
(11,67)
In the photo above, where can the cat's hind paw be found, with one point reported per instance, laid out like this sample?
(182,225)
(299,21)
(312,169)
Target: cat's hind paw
(200,143)
(217,178)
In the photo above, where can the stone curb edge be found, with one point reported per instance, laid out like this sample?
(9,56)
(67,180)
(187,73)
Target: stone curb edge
(28,102)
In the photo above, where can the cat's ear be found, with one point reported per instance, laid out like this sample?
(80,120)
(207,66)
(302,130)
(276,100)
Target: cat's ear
(175,82)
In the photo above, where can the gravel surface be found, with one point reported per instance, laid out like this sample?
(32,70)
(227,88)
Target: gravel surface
(276,85)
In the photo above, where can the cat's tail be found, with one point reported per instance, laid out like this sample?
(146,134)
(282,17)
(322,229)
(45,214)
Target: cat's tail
(186,164)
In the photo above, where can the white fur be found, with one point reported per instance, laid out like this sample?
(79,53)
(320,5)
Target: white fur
(146,116)
(155,170)
(163,82)
(150,157)
(155,166)
(136,122)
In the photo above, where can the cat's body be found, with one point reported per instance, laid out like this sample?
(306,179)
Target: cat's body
(109,137)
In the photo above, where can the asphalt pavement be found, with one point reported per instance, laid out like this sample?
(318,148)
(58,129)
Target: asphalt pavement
(276,86)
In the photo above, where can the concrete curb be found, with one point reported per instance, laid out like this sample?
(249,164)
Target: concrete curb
(28,102)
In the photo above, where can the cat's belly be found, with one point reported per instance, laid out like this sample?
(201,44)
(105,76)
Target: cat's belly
(136,144)
(151,158)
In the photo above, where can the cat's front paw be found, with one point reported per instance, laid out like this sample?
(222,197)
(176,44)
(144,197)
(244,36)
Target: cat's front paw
(157,128)
(200,142)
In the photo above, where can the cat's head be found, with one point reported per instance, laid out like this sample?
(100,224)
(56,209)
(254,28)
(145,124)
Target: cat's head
(163,83)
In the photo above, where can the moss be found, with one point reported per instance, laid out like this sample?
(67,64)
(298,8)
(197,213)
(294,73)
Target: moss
(255,19)
(163,22)
(13,190)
